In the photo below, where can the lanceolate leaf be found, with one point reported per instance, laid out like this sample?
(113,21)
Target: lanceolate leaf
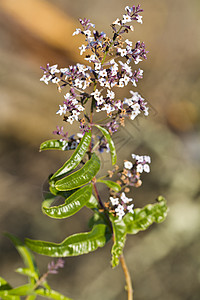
(80,177)
(76,157)
(26,255)
(110,143)
(72,204)
(111,184)
(144,217)
(74,245)
(28,272)
(54,145)
(119,236)
(51,294)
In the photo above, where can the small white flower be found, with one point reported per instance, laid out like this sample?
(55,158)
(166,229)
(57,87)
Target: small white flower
(134,114)
(120,211)
(79,135)
(126,79)
(114,201)
(75,114)
(70,119)
(64,70)
(103,73)
(87,32)
(97,66)
(136,107)
(125,199)
(128,9)
(108,108)
(146,168)
(117,22)
(100,100)
(102,81)
(122,52)
(133,156)
(80,107)
(82,49)
(137,60)
(110,94)
(130,208)
(128,165)
(77,31)
(126,19)
(78,83)
(112,61)
(46,78)
(96,94)
(140,72)
(62,110)
(134,82)
(139,19)
(53,69)
(139,168)
(55,80)
(147,159)
(118,104)
(129,43)
(121,83)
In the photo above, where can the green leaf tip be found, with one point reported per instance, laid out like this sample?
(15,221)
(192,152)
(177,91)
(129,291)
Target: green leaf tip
(54,145)
(110,143)
(111,184)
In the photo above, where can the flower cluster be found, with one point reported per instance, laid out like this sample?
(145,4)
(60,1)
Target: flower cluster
(111,68)
(54,266)
(130,175)
(119,203)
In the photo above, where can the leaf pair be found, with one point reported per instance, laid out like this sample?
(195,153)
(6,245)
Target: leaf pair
(82,243)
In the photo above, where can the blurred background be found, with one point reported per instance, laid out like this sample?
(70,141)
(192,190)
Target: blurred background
(165,260)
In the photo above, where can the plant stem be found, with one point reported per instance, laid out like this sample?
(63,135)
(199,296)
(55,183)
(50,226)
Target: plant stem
(127,277)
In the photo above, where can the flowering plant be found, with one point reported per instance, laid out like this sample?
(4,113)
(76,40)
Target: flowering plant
(92,91)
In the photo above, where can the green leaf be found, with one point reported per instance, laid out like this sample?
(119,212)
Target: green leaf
(4,288)
(51,294)
(54,145)
(119,237)
(80,177)
(23,290)
(92,202)
(71,206)
(26,255)
(111,184)
(76,157)
(74,245)
(144,217)
(28,272)
(110,143)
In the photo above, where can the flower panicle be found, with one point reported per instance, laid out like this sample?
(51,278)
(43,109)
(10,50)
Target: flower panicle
(54,266)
